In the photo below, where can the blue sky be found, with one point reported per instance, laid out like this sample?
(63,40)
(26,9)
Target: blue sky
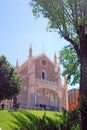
(19,28)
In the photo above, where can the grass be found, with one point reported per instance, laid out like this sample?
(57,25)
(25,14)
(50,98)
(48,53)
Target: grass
(6,118)
(50,114)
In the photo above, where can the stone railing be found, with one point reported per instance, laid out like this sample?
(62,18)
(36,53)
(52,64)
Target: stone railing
(42,82)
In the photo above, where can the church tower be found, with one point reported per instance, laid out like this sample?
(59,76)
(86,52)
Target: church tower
(17,66)
(55,62)
(65,83)
(55,59)
(30,51)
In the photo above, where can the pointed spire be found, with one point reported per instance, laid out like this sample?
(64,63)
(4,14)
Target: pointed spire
(58,69)
(30,51)
(55,59)
(17,63)
(65,83)
(17,66)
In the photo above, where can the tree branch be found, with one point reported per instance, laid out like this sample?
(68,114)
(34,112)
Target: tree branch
(77,49)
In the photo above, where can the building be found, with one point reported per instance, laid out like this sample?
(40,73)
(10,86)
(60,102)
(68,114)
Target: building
(73,98)
(41,84)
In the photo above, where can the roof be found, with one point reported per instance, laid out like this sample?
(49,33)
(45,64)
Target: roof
(44,56)
(25,64)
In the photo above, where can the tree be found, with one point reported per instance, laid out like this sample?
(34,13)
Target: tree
(10,83)
(71,64)
(69,19)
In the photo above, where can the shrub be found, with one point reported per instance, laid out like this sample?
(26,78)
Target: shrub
(27,121)
(71,120)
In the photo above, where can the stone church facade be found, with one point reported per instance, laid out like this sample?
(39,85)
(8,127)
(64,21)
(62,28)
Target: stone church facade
(41,84)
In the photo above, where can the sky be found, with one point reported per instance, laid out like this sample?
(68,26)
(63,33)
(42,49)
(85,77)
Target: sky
(19,29)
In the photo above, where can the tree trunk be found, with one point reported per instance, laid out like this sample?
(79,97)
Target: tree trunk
(83,62)
(83,82)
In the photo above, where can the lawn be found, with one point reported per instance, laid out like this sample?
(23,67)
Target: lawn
(6,119)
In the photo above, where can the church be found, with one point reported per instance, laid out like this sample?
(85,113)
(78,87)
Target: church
(41,84)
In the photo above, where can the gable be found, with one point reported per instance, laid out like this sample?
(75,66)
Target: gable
(43,56)
(44,67)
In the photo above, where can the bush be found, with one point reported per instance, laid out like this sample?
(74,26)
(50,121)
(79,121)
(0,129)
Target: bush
(27,121)
(68,120)
(71,120)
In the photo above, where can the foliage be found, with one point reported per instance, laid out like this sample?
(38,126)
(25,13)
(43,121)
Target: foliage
(71,64)
(5,119)
(28,121)
(10,82)
(22,122)
(71,120)
(68,18)
(65,16)
(9,122)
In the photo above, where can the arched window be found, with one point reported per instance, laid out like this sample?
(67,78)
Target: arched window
(43,75)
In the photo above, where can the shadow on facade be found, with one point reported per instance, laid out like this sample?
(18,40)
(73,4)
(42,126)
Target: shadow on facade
(45,107)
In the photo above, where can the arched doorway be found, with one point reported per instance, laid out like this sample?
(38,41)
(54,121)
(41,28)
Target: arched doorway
(47,99)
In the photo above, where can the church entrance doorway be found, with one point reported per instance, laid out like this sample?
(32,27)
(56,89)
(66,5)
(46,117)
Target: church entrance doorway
(47,100)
